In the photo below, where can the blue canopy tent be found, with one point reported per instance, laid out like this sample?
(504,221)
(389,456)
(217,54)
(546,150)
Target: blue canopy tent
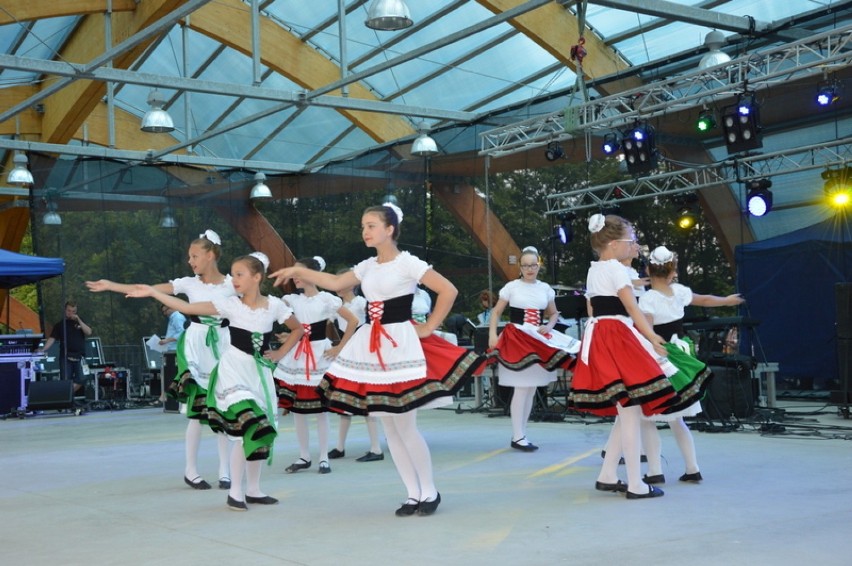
(19,269)
(789,284)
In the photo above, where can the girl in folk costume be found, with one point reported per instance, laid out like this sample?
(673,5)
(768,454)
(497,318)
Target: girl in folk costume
(621,368)
(198,349)
(241,399)
(392,367)
(357,305)
(528,350)
(664,306)
(299,372)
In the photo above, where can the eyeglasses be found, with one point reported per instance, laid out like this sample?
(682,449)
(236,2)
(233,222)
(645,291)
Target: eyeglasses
(529,265)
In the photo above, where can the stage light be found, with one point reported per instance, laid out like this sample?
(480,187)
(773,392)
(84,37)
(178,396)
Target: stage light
(564,231)
(639,149)
(553,151)
(706,121)
(759,197)
(837,187)
(686,218)
(610,144)
(741,124)
(827,93)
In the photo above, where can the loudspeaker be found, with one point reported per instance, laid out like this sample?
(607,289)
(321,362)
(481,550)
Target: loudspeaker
(844,373)
(10,387)
(47,395)
(843,294)
(730,394)
(169,373)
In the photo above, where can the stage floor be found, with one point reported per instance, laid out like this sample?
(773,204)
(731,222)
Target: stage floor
(107,488)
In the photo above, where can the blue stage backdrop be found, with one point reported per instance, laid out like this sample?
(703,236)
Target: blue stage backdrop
(789,283)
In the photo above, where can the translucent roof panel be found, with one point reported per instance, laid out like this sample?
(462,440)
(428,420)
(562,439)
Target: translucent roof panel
(42,41)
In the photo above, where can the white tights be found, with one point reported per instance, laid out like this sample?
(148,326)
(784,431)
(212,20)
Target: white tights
(301,422)
(520,409)
(625,438)
(240,466)
(192,444)
(410,455)
(372,429)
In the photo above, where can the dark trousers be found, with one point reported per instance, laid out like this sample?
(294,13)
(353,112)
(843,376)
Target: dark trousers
(73,370)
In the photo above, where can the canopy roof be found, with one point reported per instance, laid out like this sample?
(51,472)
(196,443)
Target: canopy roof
(19,269)
(295,88)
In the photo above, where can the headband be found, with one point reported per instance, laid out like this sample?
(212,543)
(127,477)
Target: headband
(661,255)
(530,249)
(211,236)
(396,210)
(596,223)
(262,258)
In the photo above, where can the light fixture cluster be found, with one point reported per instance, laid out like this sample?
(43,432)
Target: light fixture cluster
(758,197)
(637,145)
(838,186)
(741,124)
(564,231)
(554,151)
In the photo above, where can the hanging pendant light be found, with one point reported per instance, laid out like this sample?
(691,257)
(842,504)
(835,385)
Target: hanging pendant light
(157,120)
(260,191)
(20,175)
(715,56)
(424,145)
(168,219)
(388,15)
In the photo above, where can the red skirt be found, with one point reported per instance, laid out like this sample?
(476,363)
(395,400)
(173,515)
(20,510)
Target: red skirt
(619,370)
(304,399)
(448,368)
(518,350)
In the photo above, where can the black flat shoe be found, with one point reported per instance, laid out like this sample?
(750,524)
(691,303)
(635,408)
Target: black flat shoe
(265,500)
(695,478)
(335,454)
(224,483)
(324,468)
(429,507)
(370,457)
(617,487)
(655,479)
(643,458)
(408,508)
(652,492)
(235,505)
(300,464)
(197,483)
(528,447)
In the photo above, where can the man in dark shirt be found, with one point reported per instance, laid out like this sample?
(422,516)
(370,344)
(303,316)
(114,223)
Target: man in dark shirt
(71,334)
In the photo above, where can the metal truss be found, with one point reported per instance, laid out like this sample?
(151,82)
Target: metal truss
(819,156)
(810,56)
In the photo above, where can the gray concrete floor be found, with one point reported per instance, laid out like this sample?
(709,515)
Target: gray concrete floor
(106,488)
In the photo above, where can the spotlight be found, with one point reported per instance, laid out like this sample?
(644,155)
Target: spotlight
(564,232)
(686,219)
(553,151)
(759,197)
(741,124)
(827,93)
(837,187)
(610,144)
(640,150)
(706,121)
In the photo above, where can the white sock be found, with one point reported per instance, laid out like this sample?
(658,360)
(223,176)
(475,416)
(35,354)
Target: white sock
(520,409)
(342,431)
(302,435)
(609,467)
(322,435)
(685,442)
(652,446)
(224,446)
(193,441)
(631,444)
(410,455)
(373,430)
(238,467)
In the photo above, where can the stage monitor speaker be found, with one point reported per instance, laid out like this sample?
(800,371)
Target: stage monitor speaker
(730,394)
(50,395)
(843,294)
(10,387)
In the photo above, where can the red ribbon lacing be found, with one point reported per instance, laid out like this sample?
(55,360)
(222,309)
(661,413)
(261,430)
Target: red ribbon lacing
(304,347)
(532,316)
(375,309)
